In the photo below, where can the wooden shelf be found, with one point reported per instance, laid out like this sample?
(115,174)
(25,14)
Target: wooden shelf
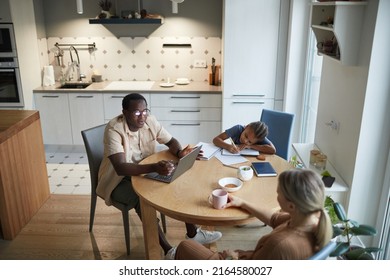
(302,151)
(345,30)
(125,21)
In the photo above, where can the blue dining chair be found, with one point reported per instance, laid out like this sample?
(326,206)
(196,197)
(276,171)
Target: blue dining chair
(324,253)
(279,130)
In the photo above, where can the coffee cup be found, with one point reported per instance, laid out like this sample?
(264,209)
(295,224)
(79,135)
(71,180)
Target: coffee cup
(245,173)
(218,198)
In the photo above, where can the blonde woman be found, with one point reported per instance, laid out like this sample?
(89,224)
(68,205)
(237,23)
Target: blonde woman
(300,228)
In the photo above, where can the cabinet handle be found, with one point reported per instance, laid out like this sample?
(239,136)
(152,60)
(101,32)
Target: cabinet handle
(185,97)
(249,95)
(186,124)
(84,96)
(115,96)
(185,111)
(247,102)
(50,96)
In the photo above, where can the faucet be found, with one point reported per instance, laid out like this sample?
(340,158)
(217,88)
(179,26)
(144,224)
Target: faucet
(75,64)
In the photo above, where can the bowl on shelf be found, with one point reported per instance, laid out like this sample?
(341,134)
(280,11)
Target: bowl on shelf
(230,184)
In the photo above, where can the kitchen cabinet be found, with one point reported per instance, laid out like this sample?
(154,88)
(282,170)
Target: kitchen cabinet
(24,184)
(340,22)
(246,110)
(5,11)
(55,118)
(86,111)
(250,59)
(189,117)
(113,104)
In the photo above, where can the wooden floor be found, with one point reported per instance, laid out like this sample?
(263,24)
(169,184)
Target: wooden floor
(59,231)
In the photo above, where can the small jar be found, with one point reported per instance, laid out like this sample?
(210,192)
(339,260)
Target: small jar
(321,161)
(313,155)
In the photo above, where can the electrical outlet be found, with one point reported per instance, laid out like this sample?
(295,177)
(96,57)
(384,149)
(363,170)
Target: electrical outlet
(200,63)
(333,124)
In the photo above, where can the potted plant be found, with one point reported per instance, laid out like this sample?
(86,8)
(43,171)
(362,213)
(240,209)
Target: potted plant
(346,230)
(106,6)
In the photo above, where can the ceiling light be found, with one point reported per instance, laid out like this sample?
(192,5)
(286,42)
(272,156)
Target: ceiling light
(175,5)
(79,4)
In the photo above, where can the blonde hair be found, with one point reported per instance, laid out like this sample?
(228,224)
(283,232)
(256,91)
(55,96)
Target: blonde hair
(306,190)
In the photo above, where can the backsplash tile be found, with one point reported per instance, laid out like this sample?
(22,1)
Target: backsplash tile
(136,58)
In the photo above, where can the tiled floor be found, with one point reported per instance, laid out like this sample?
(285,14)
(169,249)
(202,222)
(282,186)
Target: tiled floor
(68,171)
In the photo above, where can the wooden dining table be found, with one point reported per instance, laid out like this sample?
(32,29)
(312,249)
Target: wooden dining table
(187,198)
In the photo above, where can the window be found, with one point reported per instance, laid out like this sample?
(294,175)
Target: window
(312,91)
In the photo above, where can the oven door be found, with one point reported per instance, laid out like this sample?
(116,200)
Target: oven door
(10,88)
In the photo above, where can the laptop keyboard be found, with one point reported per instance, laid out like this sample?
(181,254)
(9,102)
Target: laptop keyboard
(155,175)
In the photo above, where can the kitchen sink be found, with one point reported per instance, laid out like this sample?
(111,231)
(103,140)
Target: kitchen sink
(75,85)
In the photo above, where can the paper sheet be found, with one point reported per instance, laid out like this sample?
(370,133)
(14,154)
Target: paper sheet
(229,160)
(209,150)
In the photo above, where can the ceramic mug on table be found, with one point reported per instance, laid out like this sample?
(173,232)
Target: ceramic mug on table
(245,173)
(218,198)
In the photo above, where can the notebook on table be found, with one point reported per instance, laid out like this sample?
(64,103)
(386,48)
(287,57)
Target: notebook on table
(209,150)
(263,169)
(243,152)
(184,164)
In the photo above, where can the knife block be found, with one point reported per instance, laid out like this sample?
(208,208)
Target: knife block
(214,78)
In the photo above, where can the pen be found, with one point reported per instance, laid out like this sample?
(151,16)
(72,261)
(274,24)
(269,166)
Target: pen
(231,166)
(232,142)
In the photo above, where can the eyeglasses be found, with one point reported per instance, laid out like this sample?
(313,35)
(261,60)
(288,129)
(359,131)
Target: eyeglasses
(138,113)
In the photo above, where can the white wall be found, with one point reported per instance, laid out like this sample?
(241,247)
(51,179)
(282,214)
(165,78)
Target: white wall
(358,97)
(374,141)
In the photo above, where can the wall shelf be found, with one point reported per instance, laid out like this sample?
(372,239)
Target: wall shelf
(125,21)
(344,29)
(302,150)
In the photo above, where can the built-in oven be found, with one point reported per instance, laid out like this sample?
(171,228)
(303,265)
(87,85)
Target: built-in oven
(7,40)
(10,84)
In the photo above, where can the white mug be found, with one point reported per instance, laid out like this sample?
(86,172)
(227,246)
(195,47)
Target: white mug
(218,198)
(245,173)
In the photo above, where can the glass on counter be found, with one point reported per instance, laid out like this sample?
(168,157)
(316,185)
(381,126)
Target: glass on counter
(313,155)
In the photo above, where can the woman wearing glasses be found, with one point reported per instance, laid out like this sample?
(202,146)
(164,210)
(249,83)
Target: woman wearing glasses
(128,139)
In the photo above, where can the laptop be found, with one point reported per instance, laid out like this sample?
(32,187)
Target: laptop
(184,164)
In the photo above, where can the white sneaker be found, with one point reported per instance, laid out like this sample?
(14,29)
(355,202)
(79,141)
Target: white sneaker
(205,236)
(171,254)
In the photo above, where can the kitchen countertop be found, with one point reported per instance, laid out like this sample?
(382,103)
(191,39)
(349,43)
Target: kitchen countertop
(13,121)
(100,87)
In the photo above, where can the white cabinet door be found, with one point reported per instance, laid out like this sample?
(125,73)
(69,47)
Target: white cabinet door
(55,118)
(86,111)
(113,104)
(192,132)
(251,33)
(189,117)
(244,110)
(250,40)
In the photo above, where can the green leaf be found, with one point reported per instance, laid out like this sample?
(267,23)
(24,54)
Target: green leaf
(358,254)
(372,249)
(363,230)
(337,231)
(340,212)
(326,174)
(341,248)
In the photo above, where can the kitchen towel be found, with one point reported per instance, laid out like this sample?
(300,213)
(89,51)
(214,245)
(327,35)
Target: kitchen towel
(48,76)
